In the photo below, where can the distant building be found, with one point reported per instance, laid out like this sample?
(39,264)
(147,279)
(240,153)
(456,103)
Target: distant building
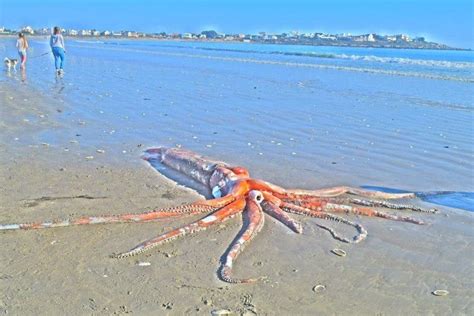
(364,38)
(294,34)
(131,34)
(187,36)
(326,37)
(344,37)
(117,34)
(72,33)
(160,35)
(28,30)
(95,33)
(106,33)
(85,33)
(403,37)
(391,38)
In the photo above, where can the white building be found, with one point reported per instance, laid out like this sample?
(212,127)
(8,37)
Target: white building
(364,38)
(391,38)
(404,37)
(187,36)
(28,30)
(399,37)
(72,33)
(85,33)
(326,36)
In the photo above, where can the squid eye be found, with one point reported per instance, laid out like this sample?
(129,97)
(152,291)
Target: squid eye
(216,192)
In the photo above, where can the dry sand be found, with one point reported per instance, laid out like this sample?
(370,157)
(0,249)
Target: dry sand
(69,271)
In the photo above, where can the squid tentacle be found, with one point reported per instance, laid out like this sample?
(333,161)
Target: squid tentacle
(277,213)
(385,204)
(337,191)
(365,211)
(256,219)
(362,232)
(339,205)
(218,216)
(171,212)
(271,206)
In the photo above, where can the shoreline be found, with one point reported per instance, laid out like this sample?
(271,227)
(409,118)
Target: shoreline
(241,42)
(388,273)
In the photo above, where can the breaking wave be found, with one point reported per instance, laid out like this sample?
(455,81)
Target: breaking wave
(367,58)
(296,64)
(409,61)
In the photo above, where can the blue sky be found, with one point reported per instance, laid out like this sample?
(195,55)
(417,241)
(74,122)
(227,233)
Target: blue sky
(449,22)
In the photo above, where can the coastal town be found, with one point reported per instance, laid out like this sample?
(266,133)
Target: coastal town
(294,37)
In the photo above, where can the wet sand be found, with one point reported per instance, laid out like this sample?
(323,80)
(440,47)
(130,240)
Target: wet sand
(69,271)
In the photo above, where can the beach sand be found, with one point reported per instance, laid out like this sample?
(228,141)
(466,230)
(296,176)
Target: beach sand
(69,271)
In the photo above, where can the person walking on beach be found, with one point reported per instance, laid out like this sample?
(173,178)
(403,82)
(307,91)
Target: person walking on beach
(22,46)
(57,46)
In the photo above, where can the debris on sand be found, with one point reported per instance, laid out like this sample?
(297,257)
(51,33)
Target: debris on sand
(440,292)
(220,312)
(319,288)
(339,252)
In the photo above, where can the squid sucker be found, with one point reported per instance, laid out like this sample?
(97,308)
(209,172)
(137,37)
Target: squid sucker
(235,192)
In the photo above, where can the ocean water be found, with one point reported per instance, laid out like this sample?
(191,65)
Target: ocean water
(299,116)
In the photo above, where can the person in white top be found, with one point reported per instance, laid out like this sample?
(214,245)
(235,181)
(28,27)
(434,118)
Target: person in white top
(22,46)
(57,46)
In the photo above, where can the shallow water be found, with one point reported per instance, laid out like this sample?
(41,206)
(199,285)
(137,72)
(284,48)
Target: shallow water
(298,116)
(461,200)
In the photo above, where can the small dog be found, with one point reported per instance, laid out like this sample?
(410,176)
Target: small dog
(10,63)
